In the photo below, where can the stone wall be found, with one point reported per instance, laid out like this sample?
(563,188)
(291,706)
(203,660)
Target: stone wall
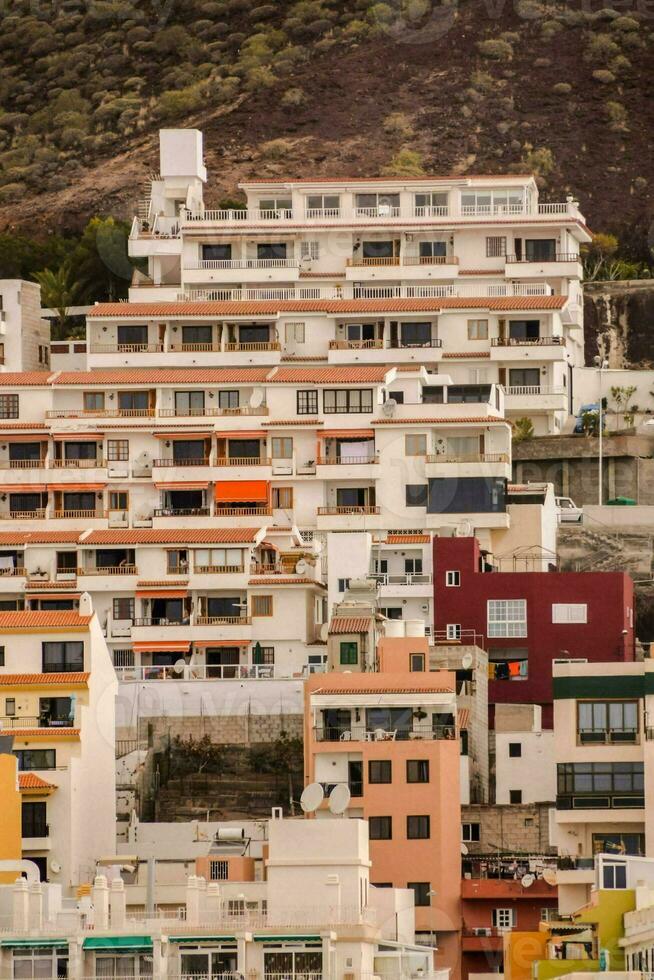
(621,314)
(223,729)
(516,829)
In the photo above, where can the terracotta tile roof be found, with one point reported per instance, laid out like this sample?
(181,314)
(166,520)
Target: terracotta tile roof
(320,275)
(329,375)
(10,426)
(48,733)
(192,535)
(20,379)
(29,780)
(303,357)
(43,586)
(461,354)
(74,678)
(408,539)
(428,179)
(161,583)
(39,619)
(480,272)
(383,690)
(274,307)
(136,376)
(39,537)
(285,581)
(350,624)
(298,421)
(476,420)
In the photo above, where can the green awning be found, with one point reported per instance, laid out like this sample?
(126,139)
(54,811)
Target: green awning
(33,943)
(118,942)
(202,939)
(288,939)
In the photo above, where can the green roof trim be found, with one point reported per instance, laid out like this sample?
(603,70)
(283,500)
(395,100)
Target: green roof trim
(118,942)
(606,686)
(288,939)
(201,939)
(34,943)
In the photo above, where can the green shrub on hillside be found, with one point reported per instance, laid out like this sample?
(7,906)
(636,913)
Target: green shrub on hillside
(495,49)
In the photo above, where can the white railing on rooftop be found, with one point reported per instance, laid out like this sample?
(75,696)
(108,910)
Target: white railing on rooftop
(242,264)
(199,672)
(350,291)
(534,390)
(381,211)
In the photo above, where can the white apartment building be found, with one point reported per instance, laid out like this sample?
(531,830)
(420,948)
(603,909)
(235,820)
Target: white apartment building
(24,334)
(57,704)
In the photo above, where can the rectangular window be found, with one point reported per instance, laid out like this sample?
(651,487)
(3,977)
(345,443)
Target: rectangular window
(416,663)
(471,833)
(380,771)
(119,500)
(123,608)
(117,450)
(477,329)
(294,332)
(349,652)
(453,579)
(34,819)
(453,631)
(569,612)
(282,448)
(307,402)
(218,870)
(418,828)
(415,445)
(10,707)
(310,250)
(421,892)
(343,584)
(607,721)
(30,759)
(8,406)
(227,399)
(495,246)
(417,770)
(416,494)
(507,617)
(503,918)
(93,401)
(2,656)
(342,401)
(282,498)
(262,605)
(263,656)
(515,750)
(380,828)
(515,796)
(62,656)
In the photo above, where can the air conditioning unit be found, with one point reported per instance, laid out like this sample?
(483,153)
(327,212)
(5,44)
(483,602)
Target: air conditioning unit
(482,931)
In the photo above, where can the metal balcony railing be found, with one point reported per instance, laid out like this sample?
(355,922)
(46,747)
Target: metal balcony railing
(345,511)
(359,733)
(527,341)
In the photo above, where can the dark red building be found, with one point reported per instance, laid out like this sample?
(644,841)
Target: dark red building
(525,620)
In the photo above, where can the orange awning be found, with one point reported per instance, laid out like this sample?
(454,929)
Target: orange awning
(182,435)
(241,434)
(35,594)
(210,644)
(161,593)
(162,646)
(25,438)
(22,488)
(234,491)
(78,436)
(76,487)
(347,434)
(188,485)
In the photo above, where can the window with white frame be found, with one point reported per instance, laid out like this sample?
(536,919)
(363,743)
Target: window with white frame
(37,961)
(495,246)
(453,578)
(507,617)
(294,331)
(453,631)
(310,250)
(569,612)
(503,918)
(471,833)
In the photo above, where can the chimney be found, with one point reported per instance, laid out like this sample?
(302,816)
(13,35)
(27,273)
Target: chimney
(20,905)
(117,901)
(100,896)
(193,900)
(85,605)
(35,903)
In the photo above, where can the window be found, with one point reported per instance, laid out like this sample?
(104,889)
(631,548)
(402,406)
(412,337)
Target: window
(471,833)
(477,329)
(453,631)
(10,707)
(619,844)
(396,396)
(515,750)
(34,820)
(282,448)
(415,445)
(341,401)
(262,605)
(263,655)
(277,205)
(614,875)
(343,584)
(294,332)
(216,253)
(227,399)
(416,663)
(29,759)
(2,656)
(418,828)
(310,250)
(307,402)
(540,249)
(117,450)
(600,777)
(93,401)
(189,403)
(119,500)
(569,612)
(607,721)
(282,498)
(197,337)
(324,203)
(507,617)
(421,892)
(37,961)
(435,203)
(515,796)
(380,828)
(417,770)
(380,771)
(123,608)
(416,494)
(503,918)
(218,870)
(495,246)
(349,652)
(453,579)
(8,406)
(62,656)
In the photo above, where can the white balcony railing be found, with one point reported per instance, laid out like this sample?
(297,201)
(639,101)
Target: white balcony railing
(353,291)
(532,390)
(242,264)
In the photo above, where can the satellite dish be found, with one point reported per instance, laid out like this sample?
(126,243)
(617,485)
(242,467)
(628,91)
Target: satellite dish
(179,666)
(324,632)
(257,397)
(312,797)
(467,661)
(464,849)
(301,567)
(527,881)
(339,799)
(549,876)
(388,408)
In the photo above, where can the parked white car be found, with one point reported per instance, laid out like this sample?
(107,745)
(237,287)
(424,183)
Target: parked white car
(568,511)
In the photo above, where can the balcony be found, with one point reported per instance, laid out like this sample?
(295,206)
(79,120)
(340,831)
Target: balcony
(347,511)
(242,460)
(359,733)
(196,672)
(351,468)
(527,341)
(109,570)
(219,570)
(78,464)
(182,512)
(84,515)
(109,413)
(559,264)
(143,621)
(546,348)
(243,264)
(174,413)
(468,465)
(169,461)
(24,515)
(223,620)
(484,939)
(608,736)
(22,464)
(126,348)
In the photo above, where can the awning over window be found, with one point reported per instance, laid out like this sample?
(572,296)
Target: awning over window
(78,436)
(35,594)
(210,644)
(201,939)
(182,435)
(294,937)
(118,942)
(76,487)
(347,434)
(23,488)
(28,437)
(241,434)
(161,593)
(162,646)
(232,491)
(34,943)
(187,485)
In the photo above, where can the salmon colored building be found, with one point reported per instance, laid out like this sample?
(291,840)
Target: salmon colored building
(391,736)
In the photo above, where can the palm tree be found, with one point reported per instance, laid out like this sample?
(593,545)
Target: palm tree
(58,292)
